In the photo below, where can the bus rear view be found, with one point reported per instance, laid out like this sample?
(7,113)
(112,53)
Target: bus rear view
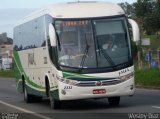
(88,53)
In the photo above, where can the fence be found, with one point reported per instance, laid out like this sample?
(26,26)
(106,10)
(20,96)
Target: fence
(148,59)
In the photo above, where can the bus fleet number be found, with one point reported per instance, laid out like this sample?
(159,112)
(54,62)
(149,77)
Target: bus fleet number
(67,87)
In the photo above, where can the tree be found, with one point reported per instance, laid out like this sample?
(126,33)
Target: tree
(146,13)
(142,9)
(157,12)
(146,16)
(128,8)
(152,20)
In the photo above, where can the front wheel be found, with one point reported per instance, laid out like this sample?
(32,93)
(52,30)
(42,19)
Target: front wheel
(55,104)
(114,101)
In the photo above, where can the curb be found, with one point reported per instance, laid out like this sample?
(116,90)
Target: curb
(148,87)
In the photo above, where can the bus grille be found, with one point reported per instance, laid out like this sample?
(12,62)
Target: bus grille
(99,83)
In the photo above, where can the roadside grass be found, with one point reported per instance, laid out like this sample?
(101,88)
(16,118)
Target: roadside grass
(148,78)
(7,73)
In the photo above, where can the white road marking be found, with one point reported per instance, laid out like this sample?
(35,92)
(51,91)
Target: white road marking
(24,110)
(157,107)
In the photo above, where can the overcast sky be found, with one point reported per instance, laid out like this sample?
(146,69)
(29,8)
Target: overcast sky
(13,10)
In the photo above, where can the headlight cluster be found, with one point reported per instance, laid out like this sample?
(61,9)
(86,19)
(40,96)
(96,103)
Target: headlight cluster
(67,81)
(126,77)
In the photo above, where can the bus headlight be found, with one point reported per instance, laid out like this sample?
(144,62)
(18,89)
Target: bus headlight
(67,81)
(71,82)
(126,77)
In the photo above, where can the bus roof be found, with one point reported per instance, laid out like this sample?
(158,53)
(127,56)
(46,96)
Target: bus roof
(85,9)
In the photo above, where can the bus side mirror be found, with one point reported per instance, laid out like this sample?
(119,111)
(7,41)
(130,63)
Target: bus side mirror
(135,30)
(52,35)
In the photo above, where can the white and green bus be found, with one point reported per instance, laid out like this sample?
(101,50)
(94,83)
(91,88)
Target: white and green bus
(61,53)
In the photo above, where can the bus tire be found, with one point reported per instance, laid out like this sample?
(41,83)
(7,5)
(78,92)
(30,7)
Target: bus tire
(27,97)
(114,101)
(55,104)
(38,98)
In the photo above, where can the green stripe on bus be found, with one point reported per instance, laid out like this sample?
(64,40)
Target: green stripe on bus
(70,75)
(19,65)
(35,92)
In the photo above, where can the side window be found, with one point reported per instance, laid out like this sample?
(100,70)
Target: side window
(30,35)
(40,35)
(48,20)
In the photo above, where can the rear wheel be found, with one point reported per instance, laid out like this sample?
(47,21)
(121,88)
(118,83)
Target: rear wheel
(27,97)
(114,101)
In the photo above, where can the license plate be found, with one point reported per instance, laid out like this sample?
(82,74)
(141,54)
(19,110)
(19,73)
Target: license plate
(99,91)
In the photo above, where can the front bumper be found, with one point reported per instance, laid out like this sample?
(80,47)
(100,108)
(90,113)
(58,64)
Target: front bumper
(70,92)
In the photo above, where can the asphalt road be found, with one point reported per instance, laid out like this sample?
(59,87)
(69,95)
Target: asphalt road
(145,104)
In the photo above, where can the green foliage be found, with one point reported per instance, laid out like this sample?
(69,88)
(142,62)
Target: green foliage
(148,77)
(7,73)
(152,22)
(128,8)
(143,7)
(146,13)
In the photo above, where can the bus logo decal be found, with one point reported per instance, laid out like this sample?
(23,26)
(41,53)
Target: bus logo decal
(98,83)
(31,60)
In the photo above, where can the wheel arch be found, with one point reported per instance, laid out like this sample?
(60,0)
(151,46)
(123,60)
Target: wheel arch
(47,84)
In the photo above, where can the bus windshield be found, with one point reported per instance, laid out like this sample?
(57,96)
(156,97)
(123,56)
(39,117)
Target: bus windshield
(93,43)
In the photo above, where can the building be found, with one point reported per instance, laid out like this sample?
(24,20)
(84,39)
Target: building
(6,51)
(3,37)
(6,47)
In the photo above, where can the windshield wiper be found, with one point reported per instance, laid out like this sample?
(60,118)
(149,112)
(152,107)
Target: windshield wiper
(84,54)
(107,57)
(105,54)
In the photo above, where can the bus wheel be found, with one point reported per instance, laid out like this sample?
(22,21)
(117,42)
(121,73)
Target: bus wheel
(114,101)
(55,104)
(27,97)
